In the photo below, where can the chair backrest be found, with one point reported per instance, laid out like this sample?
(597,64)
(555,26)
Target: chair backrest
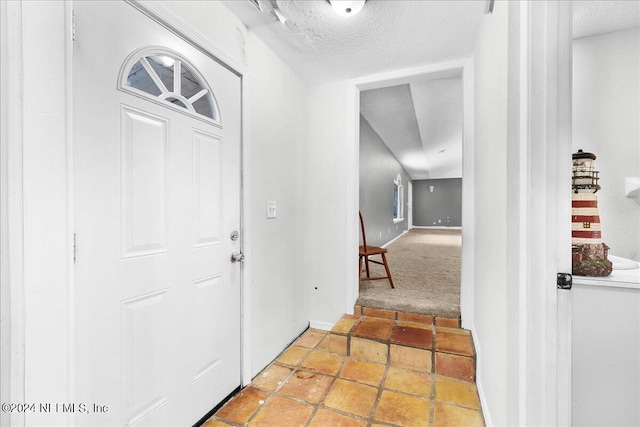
(364,234)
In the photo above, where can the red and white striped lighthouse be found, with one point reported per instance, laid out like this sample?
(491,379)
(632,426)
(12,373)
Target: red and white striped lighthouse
(588,250)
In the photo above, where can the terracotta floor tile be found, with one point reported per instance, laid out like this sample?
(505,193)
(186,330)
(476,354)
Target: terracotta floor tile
(344,325)
(449,330)
(412,336)
(419,318)
(243,405)
(450,415)
(351,397)
(325,418)
(410,358)
(378,312)
(211,422)
(280,411)
(407,323)
(372,351)
(454,343)
(362,371)
(447,321)
(307,386)
(310,338)
(357,309)
(402,409)
(461,393)
(326,363)
(385,320)
(272,377)
(372,329)
(293,355)
(409,381)
(454,366)
(336,344)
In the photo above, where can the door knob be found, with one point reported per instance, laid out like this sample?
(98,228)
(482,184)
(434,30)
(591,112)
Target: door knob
(237,257)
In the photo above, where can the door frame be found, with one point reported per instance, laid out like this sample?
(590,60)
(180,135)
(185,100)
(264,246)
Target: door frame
(391,78)
(541,313)
(158,13)
(37,281)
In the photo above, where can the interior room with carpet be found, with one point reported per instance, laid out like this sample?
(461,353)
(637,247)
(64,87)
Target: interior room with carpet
(181,183)
(410,185)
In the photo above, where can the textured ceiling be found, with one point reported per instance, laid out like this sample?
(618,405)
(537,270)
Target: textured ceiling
(419,120)
(421,123)
(598,17)
(321,46)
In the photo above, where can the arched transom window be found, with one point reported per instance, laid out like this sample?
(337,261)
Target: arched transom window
(162,75)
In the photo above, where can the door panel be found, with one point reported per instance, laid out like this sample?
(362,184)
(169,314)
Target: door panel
(145,179)
(156,195)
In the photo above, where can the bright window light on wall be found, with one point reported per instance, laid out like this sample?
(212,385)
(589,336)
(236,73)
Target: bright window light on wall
(347,7)
(398,200)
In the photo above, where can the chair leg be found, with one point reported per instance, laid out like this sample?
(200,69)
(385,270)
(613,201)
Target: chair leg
(386,267)
(359,268)
(366,265)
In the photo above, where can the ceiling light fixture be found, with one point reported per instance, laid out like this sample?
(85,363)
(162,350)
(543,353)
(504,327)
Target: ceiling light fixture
(347,7)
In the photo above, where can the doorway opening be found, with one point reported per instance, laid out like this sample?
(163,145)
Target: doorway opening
(415,127)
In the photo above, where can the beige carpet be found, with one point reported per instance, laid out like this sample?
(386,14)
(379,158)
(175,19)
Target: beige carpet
(425,267)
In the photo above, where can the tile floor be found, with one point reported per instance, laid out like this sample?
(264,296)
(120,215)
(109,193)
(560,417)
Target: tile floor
(368,371)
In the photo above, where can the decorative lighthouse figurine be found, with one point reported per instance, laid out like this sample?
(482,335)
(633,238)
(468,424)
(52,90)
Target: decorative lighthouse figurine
(588,252)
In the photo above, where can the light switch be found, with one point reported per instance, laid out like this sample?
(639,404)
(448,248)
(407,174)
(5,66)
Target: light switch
(271,209)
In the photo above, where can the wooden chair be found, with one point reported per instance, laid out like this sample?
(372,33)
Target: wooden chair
(365,251)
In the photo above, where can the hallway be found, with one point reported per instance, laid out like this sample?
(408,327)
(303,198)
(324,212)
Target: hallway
(370,370)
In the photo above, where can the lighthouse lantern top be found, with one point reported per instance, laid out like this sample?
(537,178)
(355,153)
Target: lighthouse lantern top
(585,177)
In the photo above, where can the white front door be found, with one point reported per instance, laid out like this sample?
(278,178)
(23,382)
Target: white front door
(156,198)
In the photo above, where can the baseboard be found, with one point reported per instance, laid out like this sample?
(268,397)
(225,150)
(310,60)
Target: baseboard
(395,238)
(439,227)
(323,326)
(479,387)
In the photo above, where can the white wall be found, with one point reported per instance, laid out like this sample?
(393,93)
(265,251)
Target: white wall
(327,201)
(606,122)
(275,146)
(275,139)
(490,199)
(40,281)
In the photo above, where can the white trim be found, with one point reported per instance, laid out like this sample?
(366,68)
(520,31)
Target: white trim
(546,107)
(173,23)
(352,237)
(395,238)
(71,318)
(434,227)
(323,326)
(467,291)
(246,246)
(409,75)
(563,201)
(479,387)
(12,279)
